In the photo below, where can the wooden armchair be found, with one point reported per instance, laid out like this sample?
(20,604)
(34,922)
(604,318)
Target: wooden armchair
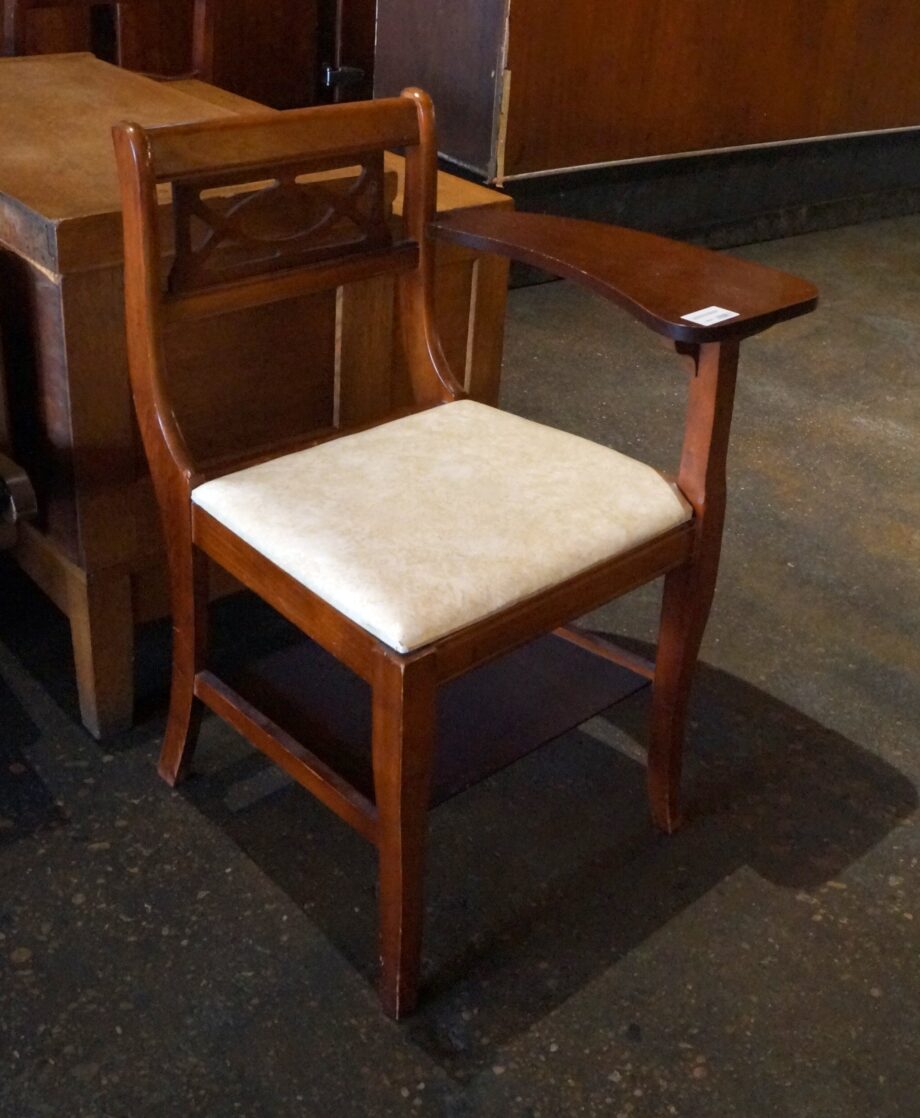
(417,549)
(16,28)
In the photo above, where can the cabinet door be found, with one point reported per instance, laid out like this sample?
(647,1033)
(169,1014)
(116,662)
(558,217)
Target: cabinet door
(57,32)
(347,30)
(598,82)
(453,49)
(267,52)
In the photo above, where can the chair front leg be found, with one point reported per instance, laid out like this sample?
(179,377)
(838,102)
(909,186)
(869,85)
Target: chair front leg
(688,593)
(404,703)
(189,586)
(688,590)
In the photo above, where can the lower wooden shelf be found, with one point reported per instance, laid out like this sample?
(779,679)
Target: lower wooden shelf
(486,719)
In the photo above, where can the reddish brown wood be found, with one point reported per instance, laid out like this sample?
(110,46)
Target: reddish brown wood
(421,337)
(338,635)
(607,650)
(562,603)
(158,39)
(63,329)
(266,52)
(52,31)
(404,698)
(663,78)
(189,585)
(18,40)
(300,763)
(532,86)
(103,647)
(657,280)
(452,48)
(404,688)
(264,290)
(277,227)
(688,590)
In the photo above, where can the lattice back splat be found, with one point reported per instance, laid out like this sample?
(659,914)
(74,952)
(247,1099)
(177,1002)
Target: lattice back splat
(290,219)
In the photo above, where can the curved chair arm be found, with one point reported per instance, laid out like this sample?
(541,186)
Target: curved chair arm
(657,280)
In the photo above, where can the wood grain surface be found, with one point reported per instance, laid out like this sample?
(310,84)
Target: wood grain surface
(452,49)
(624,79)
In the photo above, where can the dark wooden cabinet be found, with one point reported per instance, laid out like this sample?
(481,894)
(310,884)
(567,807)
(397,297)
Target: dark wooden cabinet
(268,52)
(452,49)
(528,87)
(347,42)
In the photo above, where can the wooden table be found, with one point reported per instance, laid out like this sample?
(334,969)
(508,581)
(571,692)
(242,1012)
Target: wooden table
(96,548)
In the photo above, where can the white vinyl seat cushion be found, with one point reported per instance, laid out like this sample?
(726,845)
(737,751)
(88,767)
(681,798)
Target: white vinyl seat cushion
(428,523)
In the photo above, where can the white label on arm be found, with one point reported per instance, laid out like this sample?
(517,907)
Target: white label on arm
(709,316)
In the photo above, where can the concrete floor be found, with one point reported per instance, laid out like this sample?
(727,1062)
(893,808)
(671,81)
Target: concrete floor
(211,952)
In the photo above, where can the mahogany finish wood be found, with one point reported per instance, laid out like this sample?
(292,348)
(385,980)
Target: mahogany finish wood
(531,86)
(19,38)
(607,650)
(266,52)
(404,689)
(97,547)
(451,48)
(659,77)
(299,762)
(657,280)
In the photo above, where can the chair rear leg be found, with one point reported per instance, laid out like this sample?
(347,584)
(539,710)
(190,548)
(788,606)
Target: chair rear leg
(404,698)
(688,592)
(189,587)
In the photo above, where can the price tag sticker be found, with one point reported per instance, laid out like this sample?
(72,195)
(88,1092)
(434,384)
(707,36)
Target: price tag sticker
(709,316)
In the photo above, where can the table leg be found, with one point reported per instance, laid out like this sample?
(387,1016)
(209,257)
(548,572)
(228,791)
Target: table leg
(102,630)
(88,318)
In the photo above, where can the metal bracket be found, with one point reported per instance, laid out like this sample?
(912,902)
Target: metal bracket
(17,500)
(340,77)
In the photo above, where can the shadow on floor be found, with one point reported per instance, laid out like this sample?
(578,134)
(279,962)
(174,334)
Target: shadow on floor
(542,877)
(570,877)
(38,635)
(26,805)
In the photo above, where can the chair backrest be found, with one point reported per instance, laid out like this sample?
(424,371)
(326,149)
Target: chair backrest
(265,209)
(16,26)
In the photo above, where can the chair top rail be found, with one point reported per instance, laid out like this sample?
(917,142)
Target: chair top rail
(239,144)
